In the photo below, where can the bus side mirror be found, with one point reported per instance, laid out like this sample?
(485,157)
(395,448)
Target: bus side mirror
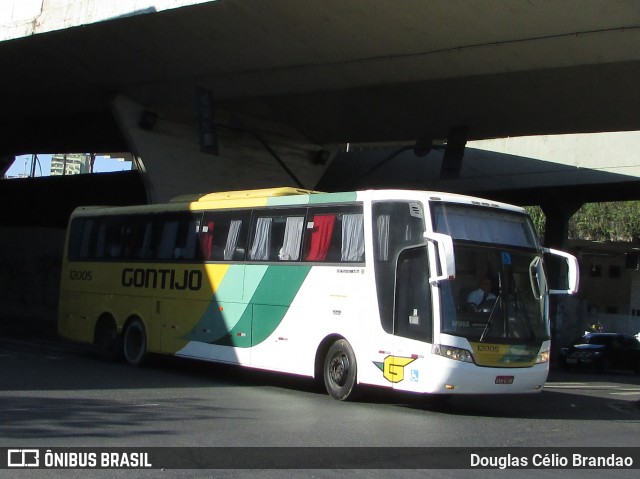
(573,276)
(442,262)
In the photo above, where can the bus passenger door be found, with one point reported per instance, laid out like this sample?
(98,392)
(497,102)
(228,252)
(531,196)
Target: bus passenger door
(413,319)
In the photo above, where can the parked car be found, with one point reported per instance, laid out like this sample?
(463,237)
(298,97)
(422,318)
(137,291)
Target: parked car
(603,351)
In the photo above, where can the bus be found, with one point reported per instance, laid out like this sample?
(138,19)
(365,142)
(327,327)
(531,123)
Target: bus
(352,288)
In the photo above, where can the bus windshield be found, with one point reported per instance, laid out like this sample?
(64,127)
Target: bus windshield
(496,295)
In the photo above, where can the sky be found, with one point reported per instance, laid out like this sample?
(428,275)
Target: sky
(22,165)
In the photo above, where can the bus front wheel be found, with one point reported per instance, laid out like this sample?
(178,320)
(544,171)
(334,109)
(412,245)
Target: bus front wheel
(340,371)
(135,343)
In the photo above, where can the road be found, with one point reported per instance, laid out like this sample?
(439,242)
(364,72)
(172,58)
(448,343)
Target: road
(57,394)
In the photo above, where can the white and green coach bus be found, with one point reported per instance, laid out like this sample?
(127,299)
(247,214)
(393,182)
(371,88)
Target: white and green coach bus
(358,288)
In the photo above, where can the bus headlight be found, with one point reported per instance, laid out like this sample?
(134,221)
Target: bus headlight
(450,352)
(543,357)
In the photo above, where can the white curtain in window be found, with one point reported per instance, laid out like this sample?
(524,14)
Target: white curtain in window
(101,244)
(290,250)
(232,239)
(192,236)
(261,240)
(352,237)
(485,226)
(86,238)
(145,251)
(382,226)
(166,250)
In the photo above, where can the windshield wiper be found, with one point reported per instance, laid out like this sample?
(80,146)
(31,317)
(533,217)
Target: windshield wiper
(525,314)
(493,310)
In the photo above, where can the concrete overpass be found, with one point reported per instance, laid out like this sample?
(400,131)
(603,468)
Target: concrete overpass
(289,81)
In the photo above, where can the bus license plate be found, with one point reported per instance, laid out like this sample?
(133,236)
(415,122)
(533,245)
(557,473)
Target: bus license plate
(504,379)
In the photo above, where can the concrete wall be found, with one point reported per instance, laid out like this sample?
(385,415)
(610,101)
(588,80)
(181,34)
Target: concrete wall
(172,164)
(605,284)
(30,272)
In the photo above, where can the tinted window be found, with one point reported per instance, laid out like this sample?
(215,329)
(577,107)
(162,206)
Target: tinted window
(276,235)
(223,235)
(483,224)
(334,235)
(136,237)
(396,226)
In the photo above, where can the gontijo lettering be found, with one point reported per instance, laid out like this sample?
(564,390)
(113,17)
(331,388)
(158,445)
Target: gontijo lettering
(162,278)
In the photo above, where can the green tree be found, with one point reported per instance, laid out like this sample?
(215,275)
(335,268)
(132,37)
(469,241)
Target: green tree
(611,221)
(538,218)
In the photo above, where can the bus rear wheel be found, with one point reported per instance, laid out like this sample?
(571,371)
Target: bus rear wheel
(107,341)
(340,371)
(135,343)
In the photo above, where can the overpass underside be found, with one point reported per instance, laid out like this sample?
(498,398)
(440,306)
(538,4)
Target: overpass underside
(218,95)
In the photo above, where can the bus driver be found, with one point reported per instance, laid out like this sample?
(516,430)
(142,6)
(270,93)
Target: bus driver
(482,294)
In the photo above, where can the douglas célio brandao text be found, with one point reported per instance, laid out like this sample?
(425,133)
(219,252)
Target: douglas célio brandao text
(549,460)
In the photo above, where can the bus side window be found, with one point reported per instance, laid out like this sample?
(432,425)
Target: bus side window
(412,318)
(335,235)
(110,238)
(206,238)
(320,231)
(234,245)
(396,225)
(352,249)
(261,246)
(278,237)
(223,236)
(81,234)
(289,246)
(166,247)
(178,237)
(187,239)
(136,238)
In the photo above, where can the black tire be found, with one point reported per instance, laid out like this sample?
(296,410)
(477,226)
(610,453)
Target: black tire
(340,371)
(107,341)
(135,343)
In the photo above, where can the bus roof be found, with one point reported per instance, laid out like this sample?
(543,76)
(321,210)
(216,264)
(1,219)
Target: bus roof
(283,196)
(243,194)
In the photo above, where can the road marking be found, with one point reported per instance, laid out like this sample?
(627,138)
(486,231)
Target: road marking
(564,384)
(579,386)
(626,392)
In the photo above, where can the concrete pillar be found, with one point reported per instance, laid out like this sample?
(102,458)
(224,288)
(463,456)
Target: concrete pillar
(558,213)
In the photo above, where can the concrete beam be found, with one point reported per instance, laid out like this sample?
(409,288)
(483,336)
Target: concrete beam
(172,163)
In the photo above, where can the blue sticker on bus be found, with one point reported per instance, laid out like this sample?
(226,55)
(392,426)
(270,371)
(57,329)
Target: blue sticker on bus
(506,258)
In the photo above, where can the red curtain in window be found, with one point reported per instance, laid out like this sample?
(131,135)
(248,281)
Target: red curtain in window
(206,241)
(320,237)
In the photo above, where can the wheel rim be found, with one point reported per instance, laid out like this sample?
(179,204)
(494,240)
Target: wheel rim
(134,347)
(339,369)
